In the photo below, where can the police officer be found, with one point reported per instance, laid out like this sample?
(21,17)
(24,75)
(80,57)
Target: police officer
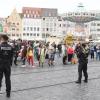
(6,55)
(82,55)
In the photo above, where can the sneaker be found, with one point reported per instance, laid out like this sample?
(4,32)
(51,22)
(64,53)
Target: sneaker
(33,66)
(78,82)
(85,81)
(23,66)
(8,95)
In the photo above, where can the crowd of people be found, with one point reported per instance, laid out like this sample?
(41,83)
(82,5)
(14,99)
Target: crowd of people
(41,52)
(95,52)
(28,52)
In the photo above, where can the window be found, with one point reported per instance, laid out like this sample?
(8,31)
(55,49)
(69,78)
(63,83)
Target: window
(17,35)
(13,34)
(98,24)
(92,14)
(26,11)
(13,23)
(35,16)
(54,24)
(28,15)
(27,34)
(30,34)
(27,28)
(64,32)
(50,14)
(9,35)
(24,28)
(34,28)
(43,35)
(47,29)
(31,16)
(38,29)
(24,34)
(37,34)
(93,24)
(43,18)
(17,23)
(31,28)
(30,11)
(98,29)
(24,15)
(60,25)
(17,29)
(34,34)
(13,29)
(64,25)
(43,29)
(76,13)
(50,29)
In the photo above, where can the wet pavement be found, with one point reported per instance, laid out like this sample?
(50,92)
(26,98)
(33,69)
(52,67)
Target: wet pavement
(53,83)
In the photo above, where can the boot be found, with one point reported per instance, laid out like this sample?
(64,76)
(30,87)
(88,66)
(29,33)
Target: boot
(86,80)
(78,82)
(8,94)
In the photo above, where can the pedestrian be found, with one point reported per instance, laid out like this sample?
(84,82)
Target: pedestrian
(51,56)
(30,56)
(16,52)
(64,54)
(6,56)
(24,56)
(70,51)
(42,55)
(59,49)
(82,55)
(38,54)
(98,53)
(92,52)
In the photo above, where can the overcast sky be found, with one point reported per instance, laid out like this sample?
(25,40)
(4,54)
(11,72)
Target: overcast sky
(6,6)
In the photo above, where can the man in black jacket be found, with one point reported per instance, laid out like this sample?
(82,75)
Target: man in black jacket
(6,56)
(82,54)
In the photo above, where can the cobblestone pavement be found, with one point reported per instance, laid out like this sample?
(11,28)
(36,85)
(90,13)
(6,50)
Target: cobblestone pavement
(53,83)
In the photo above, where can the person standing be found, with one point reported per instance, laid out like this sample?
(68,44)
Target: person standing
(24,56)
(16,52)
(59,49)
(64,54)
(82,55)
(42,55)
(6,56)
(70,51)
(51,56)
(30,56)
(92,52)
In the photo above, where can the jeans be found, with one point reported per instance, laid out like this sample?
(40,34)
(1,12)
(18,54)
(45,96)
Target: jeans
(82,67)
(98,56)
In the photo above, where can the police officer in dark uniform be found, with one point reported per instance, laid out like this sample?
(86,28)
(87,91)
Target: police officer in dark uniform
(6,56)
(82,54)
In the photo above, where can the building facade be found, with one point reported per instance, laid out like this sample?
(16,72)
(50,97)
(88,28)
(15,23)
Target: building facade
(38,23)
(14,23)
(42,23)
